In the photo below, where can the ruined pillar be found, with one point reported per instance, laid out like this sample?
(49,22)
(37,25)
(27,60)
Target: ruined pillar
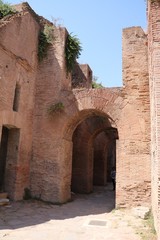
(133,147)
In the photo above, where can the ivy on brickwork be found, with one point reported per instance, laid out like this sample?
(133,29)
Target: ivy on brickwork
(42,46)
(72,51)
(46,37)
(48,31)
(6,9)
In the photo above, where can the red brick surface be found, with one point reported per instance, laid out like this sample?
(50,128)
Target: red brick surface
(154,73)
(44,148)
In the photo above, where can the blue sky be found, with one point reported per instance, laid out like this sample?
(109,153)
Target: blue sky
(98,24)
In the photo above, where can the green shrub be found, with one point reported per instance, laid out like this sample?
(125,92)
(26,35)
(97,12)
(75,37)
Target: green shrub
(72,51)
(48,31)
(6,9)
(95,84)
(46,37)
(42,46)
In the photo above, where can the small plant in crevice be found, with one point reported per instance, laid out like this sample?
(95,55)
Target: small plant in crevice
(95,84)
(72,51)
(46,37)
(6,9)
(55,108)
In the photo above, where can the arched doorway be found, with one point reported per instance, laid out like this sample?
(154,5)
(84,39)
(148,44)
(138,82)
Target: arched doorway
(104,156)
(94,153)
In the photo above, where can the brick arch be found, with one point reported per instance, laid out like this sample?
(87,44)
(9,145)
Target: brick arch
(83,153)
(79,117)
(83,104)
(106,103)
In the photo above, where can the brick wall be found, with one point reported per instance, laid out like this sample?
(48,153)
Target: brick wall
(18,60)
(154,77)
(81,76)
(45,178)
(133,146)
(126,109)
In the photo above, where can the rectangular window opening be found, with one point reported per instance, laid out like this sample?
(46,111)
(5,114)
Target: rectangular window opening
(16,98)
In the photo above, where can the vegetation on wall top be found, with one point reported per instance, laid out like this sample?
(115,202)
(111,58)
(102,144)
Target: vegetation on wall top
(95,84)
(6,9)
(46,37)
(72,51)
(48,31)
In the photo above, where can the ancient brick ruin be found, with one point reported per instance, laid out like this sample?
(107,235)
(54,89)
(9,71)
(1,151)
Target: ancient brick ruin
(74,149)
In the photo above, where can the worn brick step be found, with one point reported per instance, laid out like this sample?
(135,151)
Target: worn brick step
(4,201)
(3,195)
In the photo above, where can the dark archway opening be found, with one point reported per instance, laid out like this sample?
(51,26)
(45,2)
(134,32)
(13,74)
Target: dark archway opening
(8,159)
(3,155)
(104,156)
(16,98)
(94,154)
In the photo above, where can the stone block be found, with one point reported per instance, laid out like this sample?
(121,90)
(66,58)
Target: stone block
(141,212)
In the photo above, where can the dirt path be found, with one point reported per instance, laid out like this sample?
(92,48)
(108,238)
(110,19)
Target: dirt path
(87,217)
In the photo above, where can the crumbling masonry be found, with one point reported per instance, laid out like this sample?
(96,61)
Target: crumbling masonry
(52,154)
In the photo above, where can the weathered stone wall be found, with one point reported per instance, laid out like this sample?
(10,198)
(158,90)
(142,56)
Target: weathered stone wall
(51,168)
(133,143)
(154,77)
(81,76)
(88,74)
(18,54)
(133,146)
(51,79)
(41,86)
